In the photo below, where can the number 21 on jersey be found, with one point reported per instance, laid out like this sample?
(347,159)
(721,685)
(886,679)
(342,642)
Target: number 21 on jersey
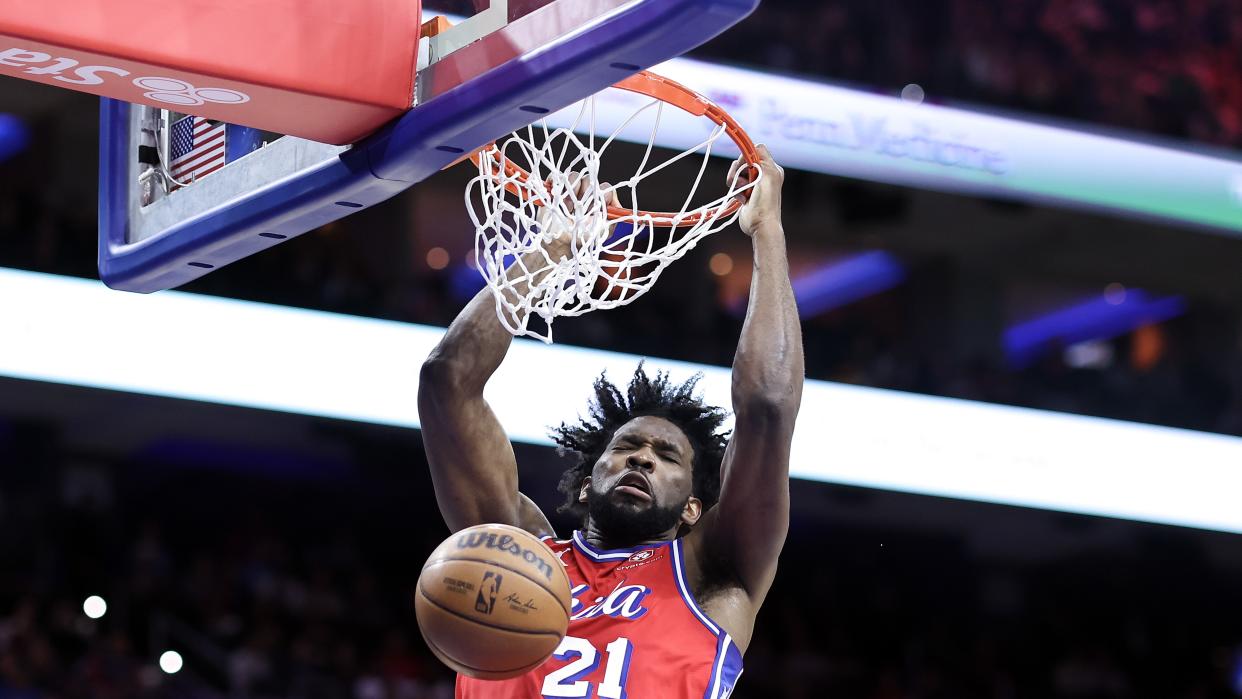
(567,681)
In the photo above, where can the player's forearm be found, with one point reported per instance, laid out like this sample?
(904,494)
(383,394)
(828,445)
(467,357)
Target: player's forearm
(476,342)
(768,369)
(473,346)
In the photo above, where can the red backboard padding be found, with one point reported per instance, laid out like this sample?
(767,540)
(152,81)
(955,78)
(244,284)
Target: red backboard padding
(327,70)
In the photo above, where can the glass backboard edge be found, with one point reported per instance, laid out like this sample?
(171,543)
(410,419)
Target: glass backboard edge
(265,217)
(639,35)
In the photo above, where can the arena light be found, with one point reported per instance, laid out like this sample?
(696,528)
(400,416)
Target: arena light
(845,281)
(95,607)
(171,662)
(14,136)
(75,331)
(838,283)
(1097,318)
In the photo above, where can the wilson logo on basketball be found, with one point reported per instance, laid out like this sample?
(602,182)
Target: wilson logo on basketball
(504,542)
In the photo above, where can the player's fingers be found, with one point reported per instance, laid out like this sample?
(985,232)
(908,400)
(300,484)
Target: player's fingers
(739,172)
(610,194)
(584,183)
(742,196)
(767,162)
(614,199)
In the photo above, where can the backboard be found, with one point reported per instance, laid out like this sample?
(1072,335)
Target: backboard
(501,65)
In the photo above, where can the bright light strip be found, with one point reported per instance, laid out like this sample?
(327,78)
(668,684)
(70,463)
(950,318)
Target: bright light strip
(76,331)
(823,128)
(818,127)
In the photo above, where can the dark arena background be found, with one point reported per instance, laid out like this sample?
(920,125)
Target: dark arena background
(1018,472)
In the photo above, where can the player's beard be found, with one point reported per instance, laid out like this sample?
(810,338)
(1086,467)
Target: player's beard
(622,525)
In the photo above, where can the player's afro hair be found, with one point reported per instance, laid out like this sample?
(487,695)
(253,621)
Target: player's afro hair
(609,409)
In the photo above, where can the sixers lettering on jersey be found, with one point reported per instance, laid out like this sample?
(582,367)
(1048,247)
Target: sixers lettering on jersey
(625,601)
(635,632)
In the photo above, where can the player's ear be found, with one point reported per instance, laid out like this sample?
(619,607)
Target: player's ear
(582,492)
(692,511)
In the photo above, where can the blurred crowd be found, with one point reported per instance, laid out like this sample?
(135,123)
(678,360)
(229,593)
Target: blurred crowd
(269,601)
(1168,67)
(302,591)
(884,615)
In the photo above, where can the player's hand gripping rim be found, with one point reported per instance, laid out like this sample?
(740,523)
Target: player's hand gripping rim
(558,233)
(761,204)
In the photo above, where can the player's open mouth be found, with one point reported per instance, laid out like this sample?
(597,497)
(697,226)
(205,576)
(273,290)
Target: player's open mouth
(635,485)
(632,491)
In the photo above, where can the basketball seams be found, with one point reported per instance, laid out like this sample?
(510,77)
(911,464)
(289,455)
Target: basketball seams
(508,638)
(482,671)
(482,622)
(502,566)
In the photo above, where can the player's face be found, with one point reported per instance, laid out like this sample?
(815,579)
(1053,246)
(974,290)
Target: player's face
(641,487)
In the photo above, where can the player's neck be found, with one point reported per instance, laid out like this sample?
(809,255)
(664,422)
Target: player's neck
(604,542)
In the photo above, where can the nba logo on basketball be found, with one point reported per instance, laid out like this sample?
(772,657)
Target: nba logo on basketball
(488,589)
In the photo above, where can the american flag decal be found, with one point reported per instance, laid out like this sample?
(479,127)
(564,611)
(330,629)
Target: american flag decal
(197,148)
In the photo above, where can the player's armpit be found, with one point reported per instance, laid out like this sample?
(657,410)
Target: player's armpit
(531,518)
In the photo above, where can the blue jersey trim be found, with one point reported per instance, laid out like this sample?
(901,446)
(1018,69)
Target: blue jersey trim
(727,665)
(610,554)
(679,572)
(730,669)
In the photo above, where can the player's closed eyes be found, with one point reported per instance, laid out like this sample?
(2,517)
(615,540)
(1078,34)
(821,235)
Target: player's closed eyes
(666,453)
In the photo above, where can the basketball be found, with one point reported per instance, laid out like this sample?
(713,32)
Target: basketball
(492,602)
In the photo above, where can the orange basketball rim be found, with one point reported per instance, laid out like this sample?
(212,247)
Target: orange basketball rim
(685,99)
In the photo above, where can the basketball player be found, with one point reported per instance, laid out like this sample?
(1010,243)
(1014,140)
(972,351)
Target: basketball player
(682,525)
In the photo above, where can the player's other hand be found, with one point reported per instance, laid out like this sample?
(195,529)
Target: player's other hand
(558,243)
(761,204)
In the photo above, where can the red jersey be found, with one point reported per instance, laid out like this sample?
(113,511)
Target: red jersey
(635,632)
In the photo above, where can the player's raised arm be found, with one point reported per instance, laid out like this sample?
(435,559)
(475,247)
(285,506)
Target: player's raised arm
(473,468)
(745,534)
(472,464)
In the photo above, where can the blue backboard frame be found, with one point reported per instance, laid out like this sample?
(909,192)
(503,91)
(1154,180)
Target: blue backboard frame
(431,136)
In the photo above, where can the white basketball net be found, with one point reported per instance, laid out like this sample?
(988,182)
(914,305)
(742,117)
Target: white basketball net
(610,263)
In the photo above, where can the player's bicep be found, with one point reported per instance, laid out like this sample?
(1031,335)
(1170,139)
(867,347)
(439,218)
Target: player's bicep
(473,468)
